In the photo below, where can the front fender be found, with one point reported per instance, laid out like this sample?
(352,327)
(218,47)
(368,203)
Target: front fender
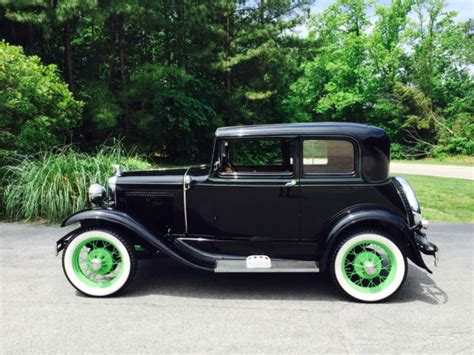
(122,219)
(380,218)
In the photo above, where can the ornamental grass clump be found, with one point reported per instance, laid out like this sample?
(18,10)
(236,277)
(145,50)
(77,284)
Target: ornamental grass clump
(52,185)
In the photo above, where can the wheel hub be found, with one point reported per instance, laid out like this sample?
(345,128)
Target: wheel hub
(96,264)
(100,261)
(370,268)
(367,265)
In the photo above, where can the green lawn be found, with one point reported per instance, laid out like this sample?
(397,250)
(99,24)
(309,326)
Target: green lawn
(444,199)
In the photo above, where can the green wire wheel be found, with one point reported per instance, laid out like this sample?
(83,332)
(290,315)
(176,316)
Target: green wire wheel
(99,262)
(368,266)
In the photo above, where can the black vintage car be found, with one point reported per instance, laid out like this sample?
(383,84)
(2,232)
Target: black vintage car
(309,197)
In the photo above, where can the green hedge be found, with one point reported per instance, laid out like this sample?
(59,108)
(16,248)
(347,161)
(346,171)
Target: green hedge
(52,185)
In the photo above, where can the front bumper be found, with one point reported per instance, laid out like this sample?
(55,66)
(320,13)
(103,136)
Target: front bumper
(61,243)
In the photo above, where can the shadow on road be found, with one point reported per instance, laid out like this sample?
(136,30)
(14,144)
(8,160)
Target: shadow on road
(419,286)
(167,277)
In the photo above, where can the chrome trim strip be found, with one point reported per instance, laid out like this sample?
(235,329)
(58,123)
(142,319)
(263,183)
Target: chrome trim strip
(185,188)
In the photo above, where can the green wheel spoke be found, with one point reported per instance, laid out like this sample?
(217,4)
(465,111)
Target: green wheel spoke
(369,266)
(97,262)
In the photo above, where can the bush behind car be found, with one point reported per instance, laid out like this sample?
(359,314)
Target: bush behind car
(53,184)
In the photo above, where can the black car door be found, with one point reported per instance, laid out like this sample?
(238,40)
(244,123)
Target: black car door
(256,190)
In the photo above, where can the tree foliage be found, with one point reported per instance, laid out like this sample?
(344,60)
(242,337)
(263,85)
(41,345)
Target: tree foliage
(163,74)
(407,69)
(170,106)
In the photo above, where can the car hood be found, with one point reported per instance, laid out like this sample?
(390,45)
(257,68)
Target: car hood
(161,176)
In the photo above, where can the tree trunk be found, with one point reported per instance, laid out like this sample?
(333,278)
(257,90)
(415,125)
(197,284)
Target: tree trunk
(122,50)
(13,31)
(68,70)
(146,50)
(261,11)
(29,41)
(228,82)
(113,41)
(166,28)
(180,33)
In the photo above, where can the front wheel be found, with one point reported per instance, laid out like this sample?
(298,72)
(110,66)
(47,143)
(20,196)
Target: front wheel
(99,262)
(368,266)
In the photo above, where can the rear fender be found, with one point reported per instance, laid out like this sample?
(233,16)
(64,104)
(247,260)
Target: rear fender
(113,217)
(371,218)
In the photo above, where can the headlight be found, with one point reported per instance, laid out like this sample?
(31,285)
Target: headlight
(410,194)
(96,194)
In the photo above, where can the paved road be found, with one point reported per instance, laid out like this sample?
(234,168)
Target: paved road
(170,308)
(452,171)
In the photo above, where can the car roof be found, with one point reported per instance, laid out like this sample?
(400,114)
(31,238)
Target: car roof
(307,128)
(374,143)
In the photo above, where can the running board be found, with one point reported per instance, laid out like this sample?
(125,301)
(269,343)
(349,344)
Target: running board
(277,265)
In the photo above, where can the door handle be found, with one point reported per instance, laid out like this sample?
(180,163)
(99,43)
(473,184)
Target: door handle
(291,183)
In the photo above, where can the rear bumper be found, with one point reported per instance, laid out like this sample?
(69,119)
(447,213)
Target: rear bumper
(424,245)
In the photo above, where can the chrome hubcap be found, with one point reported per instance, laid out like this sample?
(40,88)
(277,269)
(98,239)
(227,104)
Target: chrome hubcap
(370,268)
(96,264)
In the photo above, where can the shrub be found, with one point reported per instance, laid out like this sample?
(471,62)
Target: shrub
(37,110)
(54,184)
(460,141)
(397,151)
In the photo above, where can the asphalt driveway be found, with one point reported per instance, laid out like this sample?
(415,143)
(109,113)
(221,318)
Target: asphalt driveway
(170,308)
(451,171)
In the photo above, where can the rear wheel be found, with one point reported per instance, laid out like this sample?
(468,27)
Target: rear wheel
(368,266)
(99,262)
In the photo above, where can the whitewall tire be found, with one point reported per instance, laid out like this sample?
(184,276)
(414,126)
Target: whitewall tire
(368,266)
(99,262)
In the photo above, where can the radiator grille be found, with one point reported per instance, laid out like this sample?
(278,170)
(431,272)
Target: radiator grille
(155,208)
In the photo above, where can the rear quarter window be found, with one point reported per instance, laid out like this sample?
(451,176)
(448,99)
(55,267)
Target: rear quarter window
(327,156)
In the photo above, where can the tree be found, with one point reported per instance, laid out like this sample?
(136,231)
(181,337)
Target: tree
(411,77)
(443,53)
(337,83)
(407,67)
(257,57)
(171,114)
(49,18)
(36,108)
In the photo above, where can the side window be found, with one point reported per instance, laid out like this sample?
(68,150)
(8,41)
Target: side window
(257,156)
(325,156)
